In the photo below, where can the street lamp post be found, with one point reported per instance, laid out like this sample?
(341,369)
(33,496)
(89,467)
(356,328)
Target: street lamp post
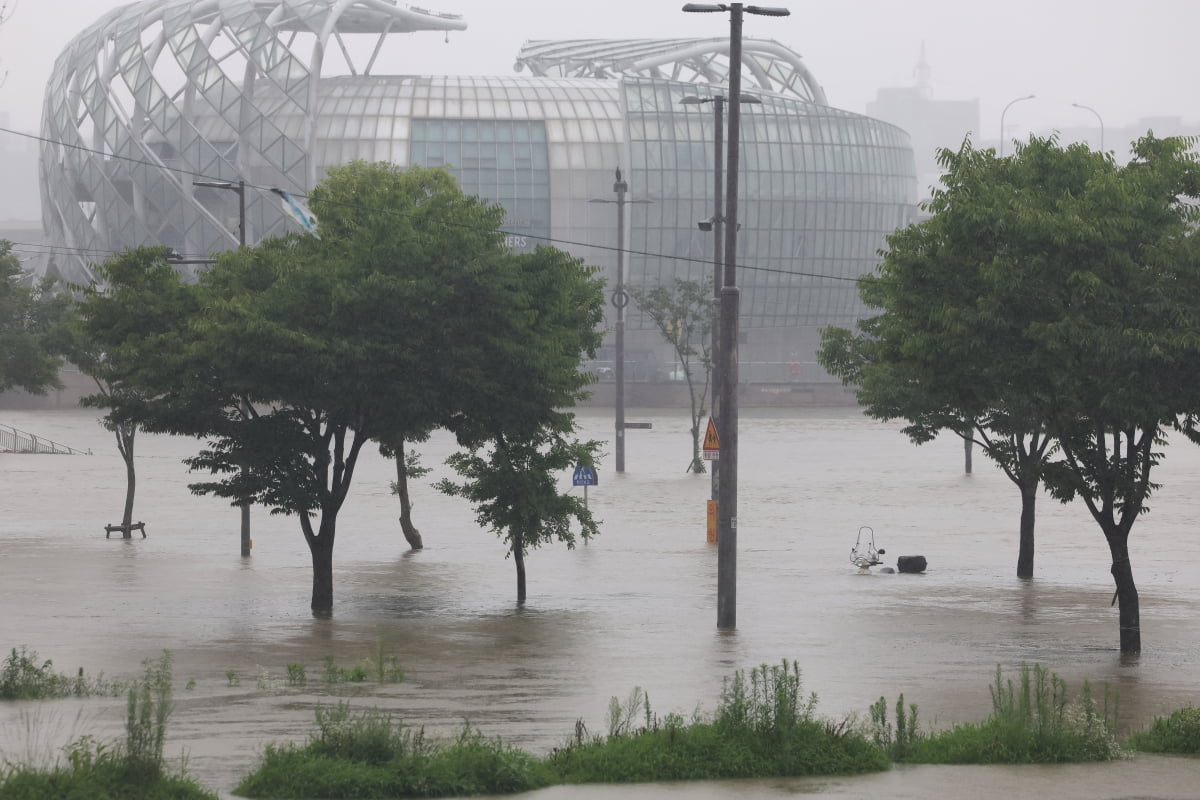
(1099,119)
(243,407)
(717,225)
(620,299)
(727,366)
(1005,111)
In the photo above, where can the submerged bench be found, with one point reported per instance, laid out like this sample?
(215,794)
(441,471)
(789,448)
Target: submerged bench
(126,532)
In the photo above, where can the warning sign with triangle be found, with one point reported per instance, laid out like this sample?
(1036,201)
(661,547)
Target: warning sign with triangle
(712,444)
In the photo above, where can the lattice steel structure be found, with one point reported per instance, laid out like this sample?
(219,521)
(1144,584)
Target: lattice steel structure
(158,93)
(769,66)
(164,92)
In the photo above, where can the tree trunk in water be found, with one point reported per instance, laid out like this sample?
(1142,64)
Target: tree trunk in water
(967,455)
(1127,595)
(411,534)
(519,558)
(321,547)
(125,434)
(697,465)
(1025,548)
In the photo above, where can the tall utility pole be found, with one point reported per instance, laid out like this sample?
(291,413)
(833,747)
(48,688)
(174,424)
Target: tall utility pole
(718,243)
(716,224)
(243,407)
(728,363)
(620,299)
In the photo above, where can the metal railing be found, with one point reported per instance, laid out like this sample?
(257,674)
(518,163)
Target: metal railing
(18,441)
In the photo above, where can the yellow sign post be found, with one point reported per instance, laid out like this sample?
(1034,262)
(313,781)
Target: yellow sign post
(712,521)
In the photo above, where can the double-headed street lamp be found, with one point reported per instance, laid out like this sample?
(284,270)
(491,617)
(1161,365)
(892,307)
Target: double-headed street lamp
(243,407)
(1005,111)
(727,430)
(1099,119)
(716,224)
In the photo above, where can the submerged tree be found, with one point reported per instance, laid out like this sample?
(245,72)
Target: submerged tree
(1052,300)
(513,486)
(683,314)
(516,423)
(946,352)
(408,465)
(129,335)
(408,314)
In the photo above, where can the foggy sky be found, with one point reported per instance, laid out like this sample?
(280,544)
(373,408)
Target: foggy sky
(1126,60)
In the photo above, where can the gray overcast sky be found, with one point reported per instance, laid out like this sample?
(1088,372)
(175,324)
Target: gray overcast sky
(1127,60)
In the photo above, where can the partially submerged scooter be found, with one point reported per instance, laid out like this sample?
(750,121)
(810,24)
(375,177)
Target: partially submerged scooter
(864,554)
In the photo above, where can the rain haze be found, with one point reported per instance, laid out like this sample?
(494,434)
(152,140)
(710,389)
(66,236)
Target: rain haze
(1127,61)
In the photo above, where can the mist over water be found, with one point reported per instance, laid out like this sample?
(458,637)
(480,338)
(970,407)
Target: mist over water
(635,607)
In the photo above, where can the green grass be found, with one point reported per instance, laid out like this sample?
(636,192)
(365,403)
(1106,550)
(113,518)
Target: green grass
(1178,732)
(1035,722)
(369,754)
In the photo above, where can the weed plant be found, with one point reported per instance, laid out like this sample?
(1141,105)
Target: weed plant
(24,677)
(380,665)
(1178,732)
(1033,723)
(296,675)
(899,742)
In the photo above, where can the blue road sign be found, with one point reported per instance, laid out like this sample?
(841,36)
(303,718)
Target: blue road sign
(584,476)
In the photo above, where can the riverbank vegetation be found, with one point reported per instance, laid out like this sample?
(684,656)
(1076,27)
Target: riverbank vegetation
(24,676)
(1178,732)
(763,726)
(134,768)
(1033,722)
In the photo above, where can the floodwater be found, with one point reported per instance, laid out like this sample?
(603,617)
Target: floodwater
(634,608)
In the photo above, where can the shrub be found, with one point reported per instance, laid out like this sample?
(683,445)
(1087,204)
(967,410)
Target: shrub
(1036,722)
(1179,732)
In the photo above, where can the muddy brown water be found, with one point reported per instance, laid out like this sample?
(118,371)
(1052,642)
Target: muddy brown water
(635,607)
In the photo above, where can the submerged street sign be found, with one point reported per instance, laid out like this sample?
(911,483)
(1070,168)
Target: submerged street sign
(712,444)
(584,476)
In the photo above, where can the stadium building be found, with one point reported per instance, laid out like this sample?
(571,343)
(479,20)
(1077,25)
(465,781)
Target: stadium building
(160,94)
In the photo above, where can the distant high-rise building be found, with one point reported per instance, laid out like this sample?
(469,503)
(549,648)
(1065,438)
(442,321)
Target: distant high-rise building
(931,124)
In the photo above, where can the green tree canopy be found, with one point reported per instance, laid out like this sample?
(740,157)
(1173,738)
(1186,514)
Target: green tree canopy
(28,357)
(129,334)
(408,314)
(1050,301)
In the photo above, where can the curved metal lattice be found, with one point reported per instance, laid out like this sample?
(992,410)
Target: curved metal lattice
(766,64)
(157,93)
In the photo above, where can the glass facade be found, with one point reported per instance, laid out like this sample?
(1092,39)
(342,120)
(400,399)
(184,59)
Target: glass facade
(140,104)
(505,161)
(818,188)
